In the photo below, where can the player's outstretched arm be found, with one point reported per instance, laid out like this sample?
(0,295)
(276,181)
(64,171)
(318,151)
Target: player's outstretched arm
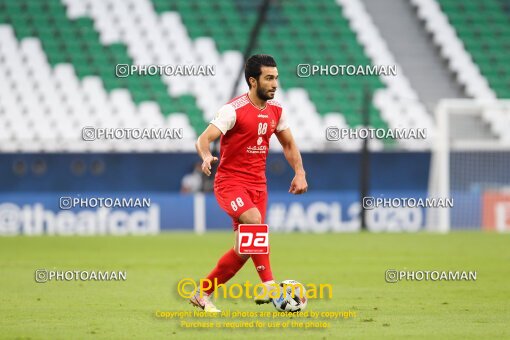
(210,134)
(293,156)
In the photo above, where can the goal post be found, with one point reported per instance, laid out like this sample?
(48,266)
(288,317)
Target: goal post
(470,163)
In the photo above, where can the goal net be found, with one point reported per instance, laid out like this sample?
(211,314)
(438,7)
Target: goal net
(471,164)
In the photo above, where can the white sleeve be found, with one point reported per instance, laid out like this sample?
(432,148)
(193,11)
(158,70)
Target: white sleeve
(225,118)
(282,123)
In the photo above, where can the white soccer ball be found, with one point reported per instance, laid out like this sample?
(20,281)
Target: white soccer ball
(292,297)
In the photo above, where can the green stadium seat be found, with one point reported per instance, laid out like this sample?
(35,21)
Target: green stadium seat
(484,28)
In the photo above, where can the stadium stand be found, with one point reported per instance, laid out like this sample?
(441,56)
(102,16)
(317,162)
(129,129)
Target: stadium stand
(451,48)
(472,37)
(398,103)
(484,29)
(59,59)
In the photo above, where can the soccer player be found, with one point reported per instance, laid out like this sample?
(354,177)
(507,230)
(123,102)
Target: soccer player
(245,125)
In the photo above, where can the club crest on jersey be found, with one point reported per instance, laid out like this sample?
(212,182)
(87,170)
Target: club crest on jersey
(259,141)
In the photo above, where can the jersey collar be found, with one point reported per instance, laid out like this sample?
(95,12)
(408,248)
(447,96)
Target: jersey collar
(255,106)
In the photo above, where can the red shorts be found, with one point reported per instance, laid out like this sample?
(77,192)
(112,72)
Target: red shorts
(235,200)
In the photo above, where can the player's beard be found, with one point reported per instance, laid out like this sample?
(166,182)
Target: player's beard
(264,95)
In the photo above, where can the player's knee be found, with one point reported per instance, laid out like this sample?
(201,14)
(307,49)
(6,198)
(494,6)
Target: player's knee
(253,217)
(254,220)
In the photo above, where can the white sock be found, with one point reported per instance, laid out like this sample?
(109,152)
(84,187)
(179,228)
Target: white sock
(269,282)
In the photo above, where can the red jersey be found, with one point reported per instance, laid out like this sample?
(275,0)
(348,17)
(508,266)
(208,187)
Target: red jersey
(244,144)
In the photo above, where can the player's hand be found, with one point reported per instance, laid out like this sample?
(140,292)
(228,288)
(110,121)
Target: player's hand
(298,185)
(206,164)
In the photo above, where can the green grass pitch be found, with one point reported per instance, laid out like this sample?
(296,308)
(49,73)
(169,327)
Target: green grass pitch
(354,264)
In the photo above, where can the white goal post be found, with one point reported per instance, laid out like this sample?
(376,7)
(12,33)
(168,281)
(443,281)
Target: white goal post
(471,163)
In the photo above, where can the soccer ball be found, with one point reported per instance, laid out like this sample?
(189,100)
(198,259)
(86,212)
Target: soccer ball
(292,297)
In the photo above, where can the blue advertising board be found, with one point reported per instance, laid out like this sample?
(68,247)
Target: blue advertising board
(324,211)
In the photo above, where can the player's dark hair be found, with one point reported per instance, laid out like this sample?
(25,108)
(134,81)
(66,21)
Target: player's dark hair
(253,65)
